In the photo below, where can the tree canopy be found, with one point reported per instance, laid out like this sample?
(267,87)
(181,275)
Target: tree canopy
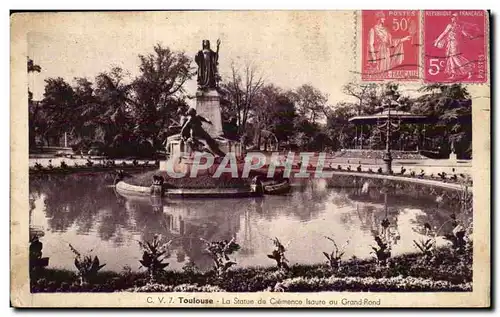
(125,113)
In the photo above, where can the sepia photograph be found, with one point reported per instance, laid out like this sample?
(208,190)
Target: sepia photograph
(251,158)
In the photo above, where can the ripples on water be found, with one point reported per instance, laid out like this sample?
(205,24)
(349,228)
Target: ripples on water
(86,212)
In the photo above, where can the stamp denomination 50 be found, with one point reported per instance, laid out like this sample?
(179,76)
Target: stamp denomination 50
(390,44)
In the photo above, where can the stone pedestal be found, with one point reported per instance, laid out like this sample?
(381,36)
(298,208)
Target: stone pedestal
(208,106)
(387,162)
(453,157)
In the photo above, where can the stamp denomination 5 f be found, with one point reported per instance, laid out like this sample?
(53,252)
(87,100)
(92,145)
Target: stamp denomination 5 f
(390,44)
(455,46)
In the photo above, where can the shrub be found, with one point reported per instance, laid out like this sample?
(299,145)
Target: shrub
(457,238)
(87,267)
(336,255)
(154,253)
(35,256)
(426,246)
(278,255)
(220,251)
(190,267)
(64,165)
(382,251)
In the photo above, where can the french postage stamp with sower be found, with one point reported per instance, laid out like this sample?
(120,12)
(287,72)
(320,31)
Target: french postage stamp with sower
(455,46)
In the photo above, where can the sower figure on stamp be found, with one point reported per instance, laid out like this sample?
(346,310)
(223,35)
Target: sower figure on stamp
(192,131)
(450,40)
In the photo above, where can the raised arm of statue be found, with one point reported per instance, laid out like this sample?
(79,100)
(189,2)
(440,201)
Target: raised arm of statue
(217,51)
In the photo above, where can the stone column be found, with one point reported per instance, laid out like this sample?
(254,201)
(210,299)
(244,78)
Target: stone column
(208,106)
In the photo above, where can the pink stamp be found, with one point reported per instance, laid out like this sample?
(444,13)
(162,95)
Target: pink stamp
(455,46)
(390,44)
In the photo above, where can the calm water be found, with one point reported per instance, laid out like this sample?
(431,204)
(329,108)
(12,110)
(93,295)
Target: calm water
(86,212)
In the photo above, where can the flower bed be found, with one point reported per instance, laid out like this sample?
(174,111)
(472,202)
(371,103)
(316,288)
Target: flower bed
(202,181)
(94,167)
(447,271)
(369,284)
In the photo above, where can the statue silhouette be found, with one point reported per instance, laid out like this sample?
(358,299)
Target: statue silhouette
(192,131)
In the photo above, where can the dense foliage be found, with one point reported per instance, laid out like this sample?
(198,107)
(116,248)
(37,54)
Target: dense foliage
(124,116)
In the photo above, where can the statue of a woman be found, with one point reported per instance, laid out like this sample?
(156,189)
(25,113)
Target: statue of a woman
(207,61)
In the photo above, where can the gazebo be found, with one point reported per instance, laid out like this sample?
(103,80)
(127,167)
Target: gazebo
(390,120)
(397,115)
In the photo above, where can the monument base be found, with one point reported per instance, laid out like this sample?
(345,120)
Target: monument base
(453,157)
(208,106)
(180,153)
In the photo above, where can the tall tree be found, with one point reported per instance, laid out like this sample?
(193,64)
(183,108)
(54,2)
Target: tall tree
(58,103)
(240,91)
(110,115)
(85,99)
(157,91)
(451,106)
(365,95)
(34,107)
(284,114)
(264,110)
(273,112)
(310,102)
(340,131)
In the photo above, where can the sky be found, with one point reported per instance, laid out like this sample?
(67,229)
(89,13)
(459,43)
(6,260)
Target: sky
(288,48)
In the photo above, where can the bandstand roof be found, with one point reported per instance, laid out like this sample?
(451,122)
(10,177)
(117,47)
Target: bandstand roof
(405,117)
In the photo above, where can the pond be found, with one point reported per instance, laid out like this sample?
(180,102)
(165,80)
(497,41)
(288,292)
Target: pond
(86,212)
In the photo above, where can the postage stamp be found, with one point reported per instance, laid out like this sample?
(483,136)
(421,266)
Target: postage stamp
(223,159)
(390,45)
(455,43)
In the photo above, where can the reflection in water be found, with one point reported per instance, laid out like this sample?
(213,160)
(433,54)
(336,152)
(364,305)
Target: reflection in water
(86,212)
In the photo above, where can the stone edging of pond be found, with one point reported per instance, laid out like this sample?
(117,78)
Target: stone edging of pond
(92,169)
(437,183)
(128,189)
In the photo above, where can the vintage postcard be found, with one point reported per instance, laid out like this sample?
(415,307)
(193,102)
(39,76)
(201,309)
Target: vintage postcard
(224,159)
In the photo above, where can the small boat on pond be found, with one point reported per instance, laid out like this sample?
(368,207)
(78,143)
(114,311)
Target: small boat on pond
(277,187)
(270,186)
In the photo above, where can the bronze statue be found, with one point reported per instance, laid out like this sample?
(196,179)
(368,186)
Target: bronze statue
(192,131)
(207,61)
